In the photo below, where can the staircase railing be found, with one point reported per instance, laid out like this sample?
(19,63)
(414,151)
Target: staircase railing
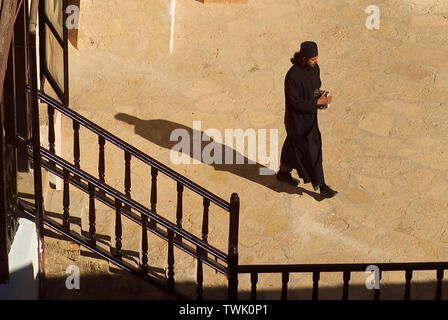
(149,219)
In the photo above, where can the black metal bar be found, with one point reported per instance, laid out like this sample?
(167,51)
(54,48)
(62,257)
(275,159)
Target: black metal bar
(66,201)
(51,134)
(127,176)
(407,293)
(316,277)
(154,173)
(118,230)
(179,209)
(253,286)
(92,218)
(439,284)
(42,41)
(377,292)
(352,267)
(65,53)
(101,159)
(346,277)
(199,274)
(206,204)
(233,247)
(53,30)
(144,265)
(170,260)
(285,280)
(135,152)
(76,148)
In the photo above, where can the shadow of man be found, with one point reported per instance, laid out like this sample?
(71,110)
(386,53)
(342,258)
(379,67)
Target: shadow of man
(159,132)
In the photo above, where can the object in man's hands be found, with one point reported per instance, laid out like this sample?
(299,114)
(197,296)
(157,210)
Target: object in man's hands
(318,93)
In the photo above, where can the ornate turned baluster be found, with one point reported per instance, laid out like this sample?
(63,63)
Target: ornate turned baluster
(285,280)
(171,260)
(127,177)
(253,288)
(316,277)
(439,284)
(144,265)
(179,213)
(51,134)
(346,281)
(76,149)
(154,173)
(199,274)
(118,230)
(66,201)
(206,204)
(407,293)
(92,229)
(101,161)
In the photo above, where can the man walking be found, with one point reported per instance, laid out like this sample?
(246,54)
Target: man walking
(302,149)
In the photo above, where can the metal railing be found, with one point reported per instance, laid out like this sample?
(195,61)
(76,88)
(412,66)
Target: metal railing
(346,270)
(149,219)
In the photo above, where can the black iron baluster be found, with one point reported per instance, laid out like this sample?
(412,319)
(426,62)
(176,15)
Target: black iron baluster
(439,284)
(316,277)
(92,229)
(76,149)
(206,204)
(407,293)
(171,260)
(253,288)
(66,201)
(127,177)
(51,134)
(346,277)
(118,230)
(199,274)
(232,259)
(101,161)
(376,292)
(179,209)
(154,173)
(144,265)
(285,280)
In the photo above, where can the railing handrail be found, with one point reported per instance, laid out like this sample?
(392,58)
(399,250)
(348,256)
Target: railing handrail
(135,152)
(132,203)
(340,267)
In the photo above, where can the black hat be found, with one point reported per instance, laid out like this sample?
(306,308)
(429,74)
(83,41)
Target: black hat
(309,49)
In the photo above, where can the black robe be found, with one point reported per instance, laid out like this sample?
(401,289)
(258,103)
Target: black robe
(302,149)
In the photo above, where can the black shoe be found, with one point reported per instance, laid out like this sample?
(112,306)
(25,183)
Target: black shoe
(286,177)
(327,192)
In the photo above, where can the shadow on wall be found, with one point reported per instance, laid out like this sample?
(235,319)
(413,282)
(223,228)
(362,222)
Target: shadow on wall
(158,131)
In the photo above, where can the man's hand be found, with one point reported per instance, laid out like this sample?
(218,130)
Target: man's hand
(323,101)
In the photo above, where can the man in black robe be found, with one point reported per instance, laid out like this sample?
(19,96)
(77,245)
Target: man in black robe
(302,149)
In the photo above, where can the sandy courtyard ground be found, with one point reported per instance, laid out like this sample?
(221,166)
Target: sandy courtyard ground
(385,135)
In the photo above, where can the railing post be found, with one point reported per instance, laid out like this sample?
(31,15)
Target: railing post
(36,140)
(233,247)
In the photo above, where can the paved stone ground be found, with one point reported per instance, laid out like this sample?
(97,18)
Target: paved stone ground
(384,137)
